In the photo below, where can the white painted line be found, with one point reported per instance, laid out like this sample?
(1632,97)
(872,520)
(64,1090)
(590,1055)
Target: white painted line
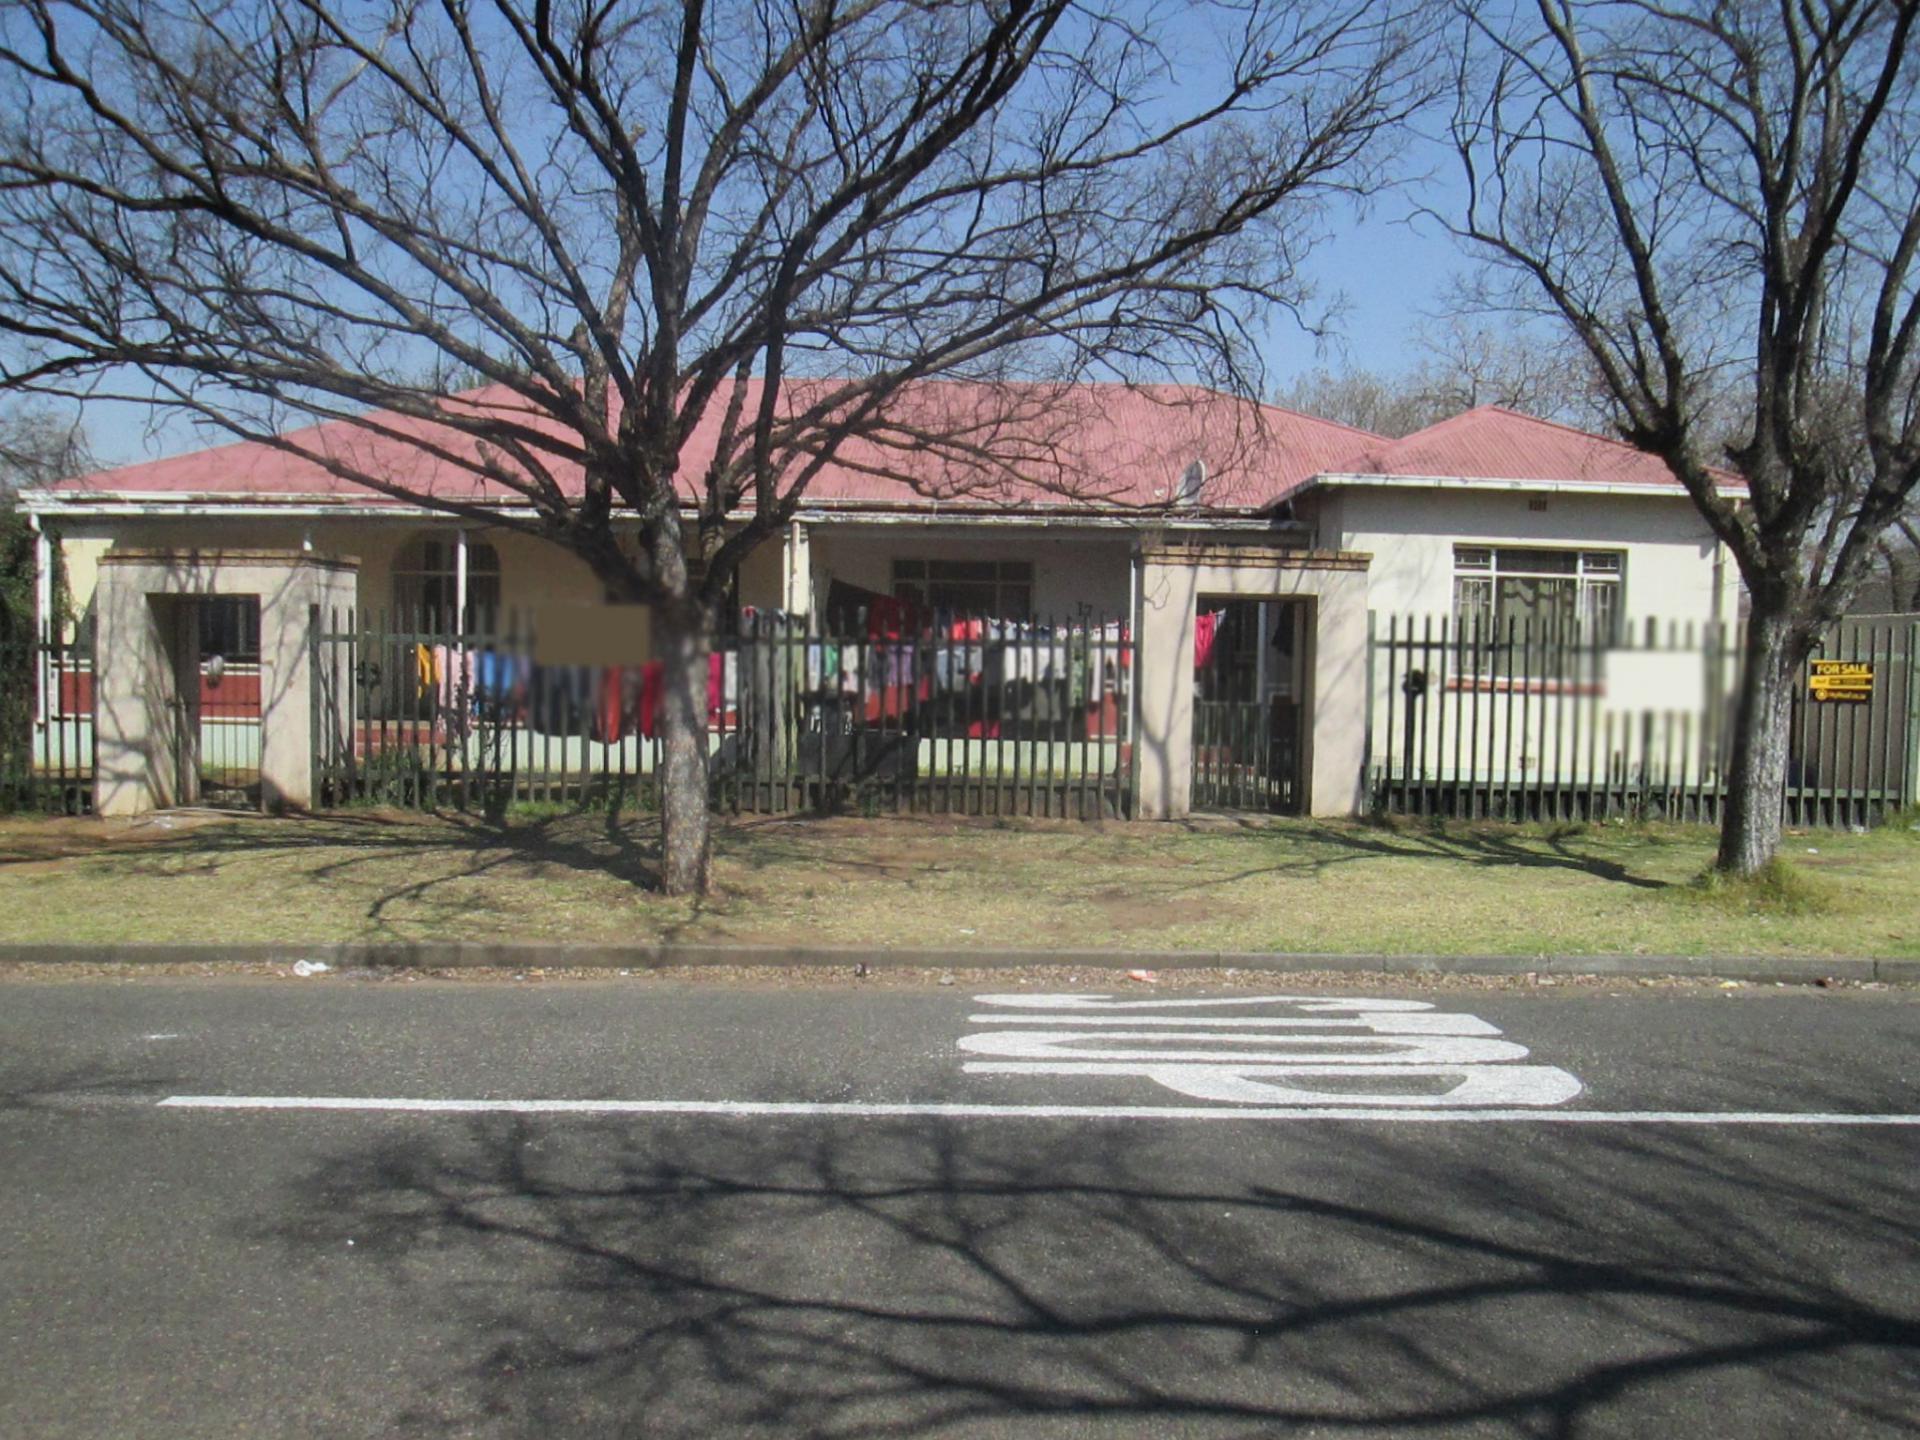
(881,1110)
(1398,1024)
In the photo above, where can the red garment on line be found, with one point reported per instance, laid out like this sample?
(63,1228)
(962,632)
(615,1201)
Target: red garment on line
(1205,627)
(652,676)
(891,619)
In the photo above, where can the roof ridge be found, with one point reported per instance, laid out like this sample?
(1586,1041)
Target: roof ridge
(1321,420)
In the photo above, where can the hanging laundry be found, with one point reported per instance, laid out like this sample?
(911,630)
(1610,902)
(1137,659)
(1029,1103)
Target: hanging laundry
(1205,629)
(560,699)
(454,667)
(891,619)
(653,675)
(958,667)
(499,684)
(426,673)
(618,704)
(723,689)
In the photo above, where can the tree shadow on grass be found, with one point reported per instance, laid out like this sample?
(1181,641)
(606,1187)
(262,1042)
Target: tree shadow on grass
(1476,848)
(417,876)
(879,1278)
(414,861)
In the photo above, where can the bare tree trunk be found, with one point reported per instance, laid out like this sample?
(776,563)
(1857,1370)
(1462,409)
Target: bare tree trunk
(1757,772)
(686,852)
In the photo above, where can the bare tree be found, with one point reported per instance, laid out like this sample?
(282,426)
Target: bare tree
(36,446)
(776,218)
(1464,363)
(1719,199)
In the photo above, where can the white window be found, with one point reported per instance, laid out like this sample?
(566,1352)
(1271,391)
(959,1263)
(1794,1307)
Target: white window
(997,589)
(1549,594)
(1533,603)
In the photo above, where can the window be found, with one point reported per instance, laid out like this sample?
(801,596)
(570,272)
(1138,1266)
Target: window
(424,580)
(999,589)
(230,628)
(1536,602)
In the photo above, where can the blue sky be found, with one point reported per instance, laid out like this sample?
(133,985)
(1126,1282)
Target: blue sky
(1385,270)
(1389,271)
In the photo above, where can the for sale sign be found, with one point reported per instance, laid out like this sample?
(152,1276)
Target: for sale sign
(1845,681)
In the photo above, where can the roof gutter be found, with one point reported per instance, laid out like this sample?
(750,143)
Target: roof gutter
(151,505)
(1477,482)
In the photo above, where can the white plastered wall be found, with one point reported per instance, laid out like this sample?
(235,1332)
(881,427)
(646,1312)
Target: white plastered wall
(1672,560)
(1070,568)
(1674,574)
(1172,581)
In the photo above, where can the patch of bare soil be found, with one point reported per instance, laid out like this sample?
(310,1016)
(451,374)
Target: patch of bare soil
(1128,909)
(62,837)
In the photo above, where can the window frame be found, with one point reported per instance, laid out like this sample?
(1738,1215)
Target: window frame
(428,565)
(1595,582)
(914,578)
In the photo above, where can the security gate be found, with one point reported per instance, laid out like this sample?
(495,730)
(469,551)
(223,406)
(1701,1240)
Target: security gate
(1248,675)
(223,728)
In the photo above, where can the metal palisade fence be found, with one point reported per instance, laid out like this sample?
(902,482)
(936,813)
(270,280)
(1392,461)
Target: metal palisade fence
(46,721)
(1516,720)
(948,714)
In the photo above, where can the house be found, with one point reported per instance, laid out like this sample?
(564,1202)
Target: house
(1241,549)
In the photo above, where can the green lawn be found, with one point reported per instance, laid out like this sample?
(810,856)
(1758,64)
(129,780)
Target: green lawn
(1291,886)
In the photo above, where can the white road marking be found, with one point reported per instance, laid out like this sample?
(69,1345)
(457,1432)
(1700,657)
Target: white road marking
(1281,1049)
(883,1110)
(1293,1085)
(1318,1004)
(1392,1024)
(1353,1051)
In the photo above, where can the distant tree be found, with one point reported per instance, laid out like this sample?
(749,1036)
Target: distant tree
(1463,364)
(36,446)
(1895,576)
(1719,201)
(633,216)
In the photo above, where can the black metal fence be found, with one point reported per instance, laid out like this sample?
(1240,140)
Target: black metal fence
(1517,721)
(955,715)
(46,722)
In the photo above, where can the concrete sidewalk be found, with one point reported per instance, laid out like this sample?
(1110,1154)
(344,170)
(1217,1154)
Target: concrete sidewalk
(462,955)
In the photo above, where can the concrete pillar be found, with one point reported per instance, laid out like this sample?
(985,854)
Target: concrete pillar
(1163,660)
(146,669)
(1173,579)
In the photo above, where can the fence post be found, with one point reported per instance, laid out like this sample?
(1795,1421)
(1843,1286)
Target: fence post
(1910,790)
(1366,733)
(316,760)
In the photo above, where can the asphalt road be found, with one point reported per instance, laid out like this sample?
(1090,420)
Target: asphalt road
(802,1213)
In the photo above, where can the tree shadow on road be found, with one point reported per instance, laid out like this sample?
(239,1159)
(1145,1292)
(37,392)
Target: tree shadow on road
(878,1278)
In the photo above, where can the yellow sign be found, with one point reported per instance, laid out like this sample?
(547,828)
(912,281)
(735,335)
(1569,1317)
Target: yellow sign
(1847,681)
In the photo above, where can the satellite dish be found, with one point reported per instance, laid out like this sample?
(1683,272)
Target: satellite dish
(1192,482)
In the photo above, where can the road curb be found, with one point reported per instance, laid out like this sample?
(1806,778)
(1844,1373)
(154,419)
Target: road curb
(458,955)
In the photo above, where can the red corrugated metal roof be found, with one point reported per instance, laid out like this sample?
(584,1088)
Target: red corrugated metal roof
(1494,443)
(1006,444)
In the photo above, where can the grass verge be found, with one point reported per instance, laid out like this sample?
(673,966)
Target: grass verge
(1297,886)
